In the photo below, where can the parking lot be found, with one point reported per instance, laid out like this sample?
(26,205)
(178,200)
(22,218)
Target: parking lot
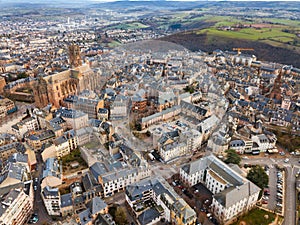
(198,197)
(273,196)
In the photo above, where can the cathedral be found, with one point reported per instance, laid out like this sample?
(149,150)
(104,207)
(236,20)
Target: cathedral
(55,88)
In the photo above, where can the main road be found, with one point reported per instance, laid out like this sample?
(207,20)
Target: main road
(291,167)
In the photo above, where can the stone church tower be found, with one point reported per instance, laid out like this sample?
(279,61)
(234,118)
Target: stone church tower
(74,56)
(40,92)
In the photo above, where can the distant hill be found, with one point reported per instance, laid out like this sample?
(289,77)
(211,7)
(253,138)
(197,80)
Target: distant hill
(208,43)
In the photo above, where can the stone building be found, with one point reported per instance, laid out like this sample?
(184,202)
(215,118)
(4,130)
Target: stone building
(56,87)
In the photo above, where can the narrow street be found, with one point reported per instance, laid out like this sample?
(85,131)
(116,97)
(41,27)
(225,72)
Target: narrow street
(39,206)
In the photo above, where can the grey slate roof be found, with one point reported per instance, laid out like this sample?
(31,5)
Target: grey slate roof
(147,216)
(84,217)
(66,200)
(98,169)
(232,195)
(8,199)
(96,205)
(49,192)
(193,108)
(213,163)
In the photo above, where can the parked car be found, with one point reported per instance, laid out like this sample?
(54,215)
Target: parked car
(33,219)
(286,160)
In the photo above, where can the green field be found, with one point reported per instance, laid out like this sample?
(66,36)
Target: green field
(274,32)
(293,23)
(251,34)
(129,26)
(257,216)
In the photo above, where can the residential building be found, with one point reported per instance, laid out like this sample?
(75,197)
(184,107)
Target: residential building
(170,206)
(232,194)
(173,150)
(51,199)
(116,181)
(105,219)
(207,126)
(102,114)
(119,108)
(7,106)
(85,104)
(13,174)
(75,119)
(84,135)
(219,141)
(28,124)
(164,115)
(52,173)
(66,205)
(9,149)
(66,143)
(263,142)
(16,207)
(36,139)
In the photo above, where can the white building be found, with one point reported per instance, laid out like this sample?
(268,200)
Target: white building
(263,142)
(173,150)
(75,119)
(51,199)
(115,180)
(208,125)
(119,108)
(233,194)
(20,128)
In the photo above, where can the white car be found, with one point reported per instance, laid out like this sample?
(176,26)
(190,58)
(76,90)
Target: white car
(286,160)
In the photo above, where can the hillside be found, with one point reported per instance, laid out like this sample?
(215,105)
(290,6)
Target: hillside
(208,43)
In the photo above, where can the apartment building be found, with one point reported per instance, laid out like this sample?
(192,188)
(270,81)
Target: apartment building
(9,149)
(65,143)
(28,124)
(51,199)
(170,206)
(36,139)
(6,106)
(16,207)
(263,142)
(84,104)
(232,194)
(116,181)
(75,119)
(173,150)
(119,108)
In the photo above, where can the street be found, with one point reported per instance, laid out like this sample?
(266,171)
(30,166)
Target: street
(292,168)
(39,206)
(290,196)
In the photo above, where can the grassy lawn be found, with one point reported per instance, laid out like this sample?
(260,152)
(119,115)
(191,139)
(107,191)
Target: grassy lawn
(74,156)
(251,34)
(294,23)
(129,26)
(257,217)
(92,145)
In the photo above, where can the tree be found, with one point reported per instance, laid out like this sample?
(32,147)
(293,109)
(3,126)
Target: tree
(232,157)
(258,176)
(120,216)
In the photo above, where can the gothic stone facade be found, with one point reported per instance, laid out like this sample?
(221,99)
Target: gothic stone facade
(55,88)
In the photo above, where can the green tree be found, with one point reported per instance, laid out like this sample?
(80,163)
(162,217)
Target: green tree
(258,176)
(190,89)
(120,216)
(22,75)
(232,157)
